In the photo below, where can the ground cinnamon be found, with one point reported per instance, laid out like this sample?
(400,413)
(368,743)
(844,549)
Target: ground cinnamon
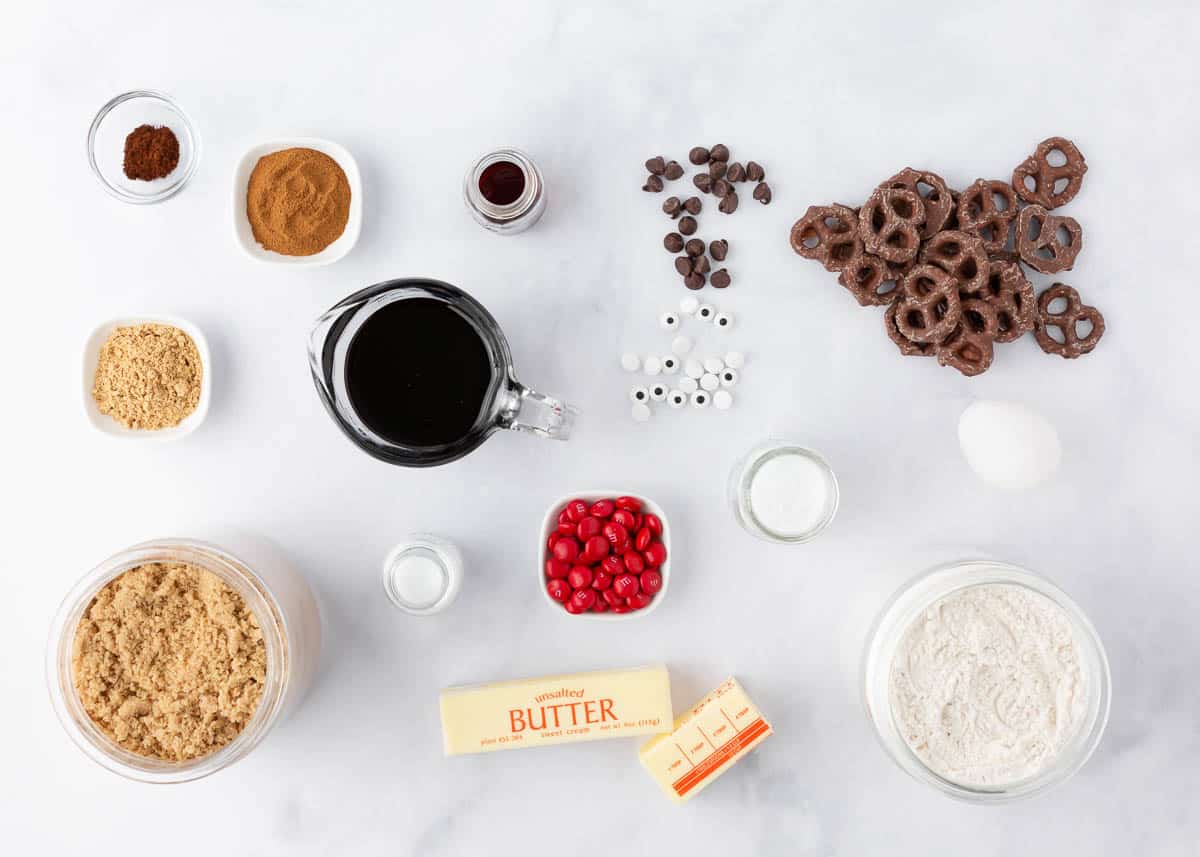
(151,153)
(297,201)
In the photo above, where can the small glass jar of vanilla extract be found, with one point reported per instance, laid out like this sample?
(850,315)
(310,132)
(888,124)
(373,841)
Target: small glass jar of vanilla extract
(504,191)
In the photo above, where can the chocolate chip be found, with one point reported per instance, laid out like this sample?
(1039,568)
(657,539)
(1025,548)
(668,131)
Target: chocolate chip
(653,184)
(721,279)
(703,181)
(736,173)
(687,224)
(694,281)
(656,165)
(755,172)
(762,192)
(683,265)
(694,247)
(719,152)
(729,204)
(717,169)
(718,249)
(673,241)
(700,265)
(698,155)
(671,206)
(692,205)
(721,189)
(672,170)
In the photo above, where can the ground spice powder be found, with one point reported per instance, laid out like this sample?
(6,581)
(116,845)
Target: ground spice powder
(151,153)
(148,376)
(297,201)
(169,661)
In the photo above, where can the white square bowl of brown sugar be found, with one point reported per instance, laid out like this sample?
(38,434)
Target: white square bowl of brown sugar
(294,180)
(120,405)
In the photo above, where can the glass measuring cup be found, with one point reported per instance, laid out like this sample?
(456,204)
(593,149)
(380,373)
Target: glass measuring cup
(504,403)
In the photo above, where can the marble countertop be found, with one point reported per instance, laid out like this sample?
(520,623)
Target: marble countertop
(832,98)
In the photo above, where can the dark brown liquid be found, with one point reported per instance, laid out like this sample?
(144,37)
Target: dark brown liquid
(502,183)
(418,373)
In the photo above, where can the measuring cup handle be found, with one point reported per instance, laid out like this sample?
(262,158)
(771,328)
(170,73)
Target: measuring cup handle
(531,411)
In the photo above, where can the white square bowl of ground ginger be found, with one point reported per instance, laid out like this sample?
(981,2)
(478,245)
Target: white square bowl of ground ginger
(125,403)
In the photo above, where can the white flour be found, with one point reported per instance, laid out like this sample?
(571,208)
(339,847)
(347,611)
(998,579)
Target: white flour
(986,685)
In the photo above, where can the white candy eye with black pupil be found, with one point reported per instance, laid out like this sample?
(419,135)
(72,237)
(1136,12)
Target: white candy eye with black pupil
(705,313)
(677,399)
(668,321)
(723,320)
(639,394)
(670,365)
(658,392)
(729,377)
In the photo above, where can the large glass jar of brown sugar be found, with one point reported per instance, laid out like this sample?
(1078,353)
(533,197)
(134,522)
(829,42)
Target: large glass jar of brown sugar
(504,191)
(273,590)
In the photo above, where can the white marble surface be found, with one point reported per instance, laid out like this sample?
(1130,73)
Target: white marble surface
(831,98)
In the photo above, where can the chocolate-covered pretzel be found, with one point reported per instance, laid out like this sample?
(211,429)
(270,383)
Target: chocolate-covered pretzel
(828,234)
(961,254)
(1039,182)
(987,209)
(937,200)
(928,309)
(890,222)
(1066,322)
(870,280)
(1011,295)
(967,351)
(1039,244)
(907,347)
(979,316)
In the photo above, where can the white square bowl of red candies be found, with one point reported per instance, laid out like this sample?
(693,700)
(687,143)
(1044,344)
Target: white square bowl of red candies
(605,555)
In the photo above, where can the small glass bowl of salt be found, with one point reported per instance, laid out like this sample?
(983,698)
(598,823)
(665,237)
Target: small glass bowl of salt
(783,492)
(423,574)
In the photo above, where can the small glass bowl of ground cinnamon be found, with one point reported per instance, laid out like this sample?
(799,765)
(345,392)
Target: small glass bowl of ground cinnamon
(297,201)
(142,147)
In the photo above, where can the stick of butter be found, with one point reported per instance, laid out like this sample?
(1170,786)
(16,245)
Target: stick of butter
(554,710)
(706,742)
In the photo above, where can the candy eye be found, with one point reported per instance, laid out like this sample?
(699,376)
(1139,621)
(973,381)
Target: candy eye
(677,398)
(652,366)
(723,320)
(713,364)
(700,399)
(729,377)
(688,385)
(722,400)
(670,365)
(668,321)
(640,412)
(689,305)
(709,381)
(681,345)
(658,392)
(694,369)
(630,362)
(639,394)
(735,359)
(705,312)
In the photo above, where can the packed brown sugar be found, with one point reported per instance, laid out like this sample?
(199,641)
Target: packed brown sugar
(169,661)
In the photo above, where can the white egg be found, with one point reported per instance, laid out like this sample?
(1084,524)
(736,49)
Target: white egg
(1008,445)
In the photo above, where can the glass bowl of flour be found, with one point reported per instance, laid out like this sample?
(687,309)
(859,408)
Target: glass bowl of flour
(986,681)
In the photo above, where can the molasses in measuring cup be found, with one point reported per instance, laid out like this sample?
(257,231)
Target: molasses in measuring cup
(416,372)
